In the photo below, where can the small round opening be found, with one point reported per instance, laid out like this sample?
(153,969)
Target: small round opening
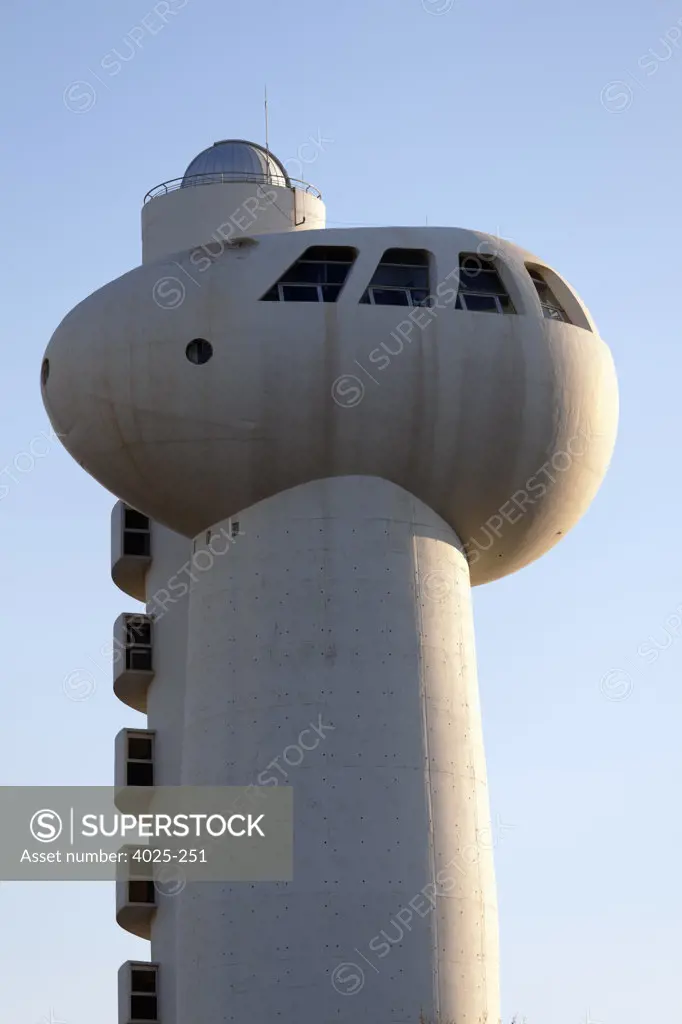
(199,351)
(44,372)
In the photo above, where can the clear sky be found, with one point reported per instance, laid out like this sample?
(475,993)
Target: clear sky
(502,117)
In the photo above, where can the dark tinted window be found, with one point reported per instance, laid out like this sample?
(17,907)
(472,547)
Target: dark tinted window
(139,659)
(143,1008)
(136,543)
(481,289)
(139,773)
(138,630)
(141,892)
(551,307)
(317,276)
(401,279)
(134,520)
(140,748)
(142,980)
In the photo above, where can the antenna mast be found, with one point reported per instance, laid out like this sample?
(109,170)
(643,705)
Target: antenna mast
(267,143)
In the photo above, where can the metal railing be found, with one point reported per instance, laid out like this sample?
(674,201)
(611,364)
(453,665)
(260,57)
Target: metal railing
(222,177)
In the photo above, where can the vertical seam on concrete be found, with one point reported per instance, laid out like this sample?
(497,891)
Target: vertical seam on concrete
(427,755)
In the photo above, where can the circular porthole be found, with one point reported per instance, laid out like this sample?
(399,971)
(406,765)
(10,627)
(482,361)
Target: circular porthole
(44,372)
(199,351)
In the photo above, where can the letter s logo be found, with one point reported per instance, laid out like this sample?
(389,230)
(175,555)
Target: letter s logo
(46,826)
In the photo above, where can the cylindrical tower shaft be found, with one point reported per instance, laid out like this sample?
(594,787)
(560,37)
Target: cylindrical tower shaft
(332,650)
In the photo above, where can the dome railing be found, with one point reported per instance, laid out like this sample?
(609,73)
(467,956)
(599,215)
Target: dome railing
(223,177)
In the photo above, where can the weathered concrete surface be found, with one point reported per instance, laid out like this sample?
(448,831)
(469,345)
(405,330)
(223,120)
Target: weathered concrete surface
(466,412)
(343,608)
(221,213)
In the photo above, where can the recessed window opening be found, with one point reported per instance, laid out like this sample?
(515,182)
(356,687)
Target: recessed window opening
(143,995)
(141,891)
(139,773)
(134,520)
(136,533)
(138,643)
(480,286)
(551,307)
(140,748)
(137,542)
(140,760)
(317,276)
(44,372)
(401,279)
(138,630)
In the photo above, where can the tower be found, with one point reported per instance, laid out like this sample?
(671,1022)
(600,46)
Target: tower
(360,467)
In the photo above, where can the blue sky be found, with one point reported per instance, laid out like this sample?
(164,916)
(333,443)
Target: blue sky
(554,125)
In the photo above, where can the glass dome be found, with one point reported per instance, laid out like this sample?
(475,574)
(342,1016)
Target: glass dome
(236,160)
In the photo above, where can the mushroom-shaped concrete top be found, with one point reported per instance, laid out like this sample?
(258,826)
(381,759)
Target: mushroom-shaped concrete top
(190,397)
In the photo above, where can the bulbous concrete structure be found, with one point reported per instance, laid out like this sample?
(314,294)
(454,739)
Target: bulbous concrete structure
(471,407)
(380,461)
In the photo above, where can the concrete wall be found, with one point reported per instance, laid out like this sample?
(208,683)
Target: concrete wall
(344,602)
(168,584)
(215,213)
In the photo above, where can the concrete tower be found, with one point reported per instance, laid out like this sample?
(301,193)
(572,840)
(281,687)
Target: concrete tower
(346,470)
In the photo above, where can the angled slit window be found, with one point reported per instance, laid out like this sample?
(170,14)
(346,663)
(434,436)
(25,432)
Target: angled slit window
(551,307)
(317,276)
(480,286)
(401,279)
